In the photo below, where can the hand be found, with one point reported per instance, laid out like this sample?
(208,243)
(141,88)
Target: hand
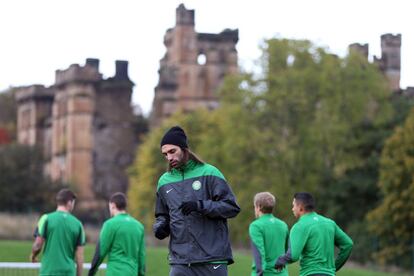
(162,227)
(162,232)
(188,206)
(279,267)
(33,258)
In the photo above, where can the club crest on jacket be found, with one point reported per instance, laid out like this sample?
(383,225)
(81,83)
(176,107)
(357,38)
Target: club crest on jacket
(196,185)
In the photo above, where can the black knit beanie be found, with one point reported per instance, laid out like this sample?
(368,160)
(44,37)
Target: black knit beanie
(175,136)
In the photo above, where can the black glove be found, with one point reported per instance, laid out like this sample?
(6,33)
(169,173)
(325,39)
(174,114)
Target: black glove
(162,233)
(188,206)
(279,267)
(161,230)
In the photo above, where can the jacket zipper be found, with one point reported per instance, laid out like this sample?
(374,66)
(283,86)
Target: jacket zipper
(185,221)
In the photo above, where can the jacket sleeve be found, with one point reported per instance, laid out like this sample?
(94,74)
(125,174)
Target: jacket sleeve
(161,226)
(345,244)
(102,247)
(222,203)
(258,249)
(297,240)
(41,229)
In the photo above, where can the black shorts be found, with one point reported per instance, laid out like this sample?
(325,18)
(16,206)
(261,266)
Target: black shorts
(205,269)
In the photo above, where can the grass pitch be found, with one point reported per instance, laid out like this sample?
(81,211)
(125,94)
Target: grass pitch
(157,264)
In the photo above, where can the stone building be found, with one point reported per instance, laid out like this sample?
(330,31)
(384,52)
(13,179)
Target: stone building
(84,124)
(193,67)
(389,62)
(195,64)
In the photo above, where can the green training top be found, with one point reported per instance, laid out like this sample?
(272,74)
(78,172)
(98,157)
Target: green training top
(269,236)
(122,239)
(313,239)
(63,233)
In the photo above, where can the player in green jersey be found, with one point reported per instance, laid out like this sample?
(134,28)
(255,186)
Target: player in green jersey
(313,239)
(268,236)
(63,238)
(122,239)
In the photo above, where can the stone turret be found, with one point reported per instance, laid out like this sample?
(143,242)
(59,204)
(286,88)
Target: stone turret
(115,142)
(362,49)
(390,61)
(184,16)
(193,67)
(72,133)
(34,110)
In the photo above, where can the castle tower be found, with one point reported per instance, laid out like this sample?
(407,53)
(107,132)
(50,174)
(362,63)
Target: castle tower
(390,61)
(72,137)
(114,133)
(362,49)
(34,110)
(193,67)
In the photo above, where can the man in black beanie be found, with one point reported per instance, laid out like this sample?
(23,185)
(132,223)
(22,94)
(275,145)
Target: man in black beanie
(193,204)
(175,136)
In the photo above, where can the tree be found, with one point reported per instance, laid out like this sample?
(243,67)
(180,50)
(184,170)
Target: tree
(359,183)
(23,187)
(393,220)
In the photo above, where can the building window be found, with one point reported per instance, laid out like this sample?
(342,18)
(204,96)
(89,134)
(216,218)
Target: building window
(201,59)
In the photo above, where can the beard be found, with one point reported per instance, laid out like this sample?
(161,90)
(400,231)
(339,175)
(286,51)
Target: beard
(179,162)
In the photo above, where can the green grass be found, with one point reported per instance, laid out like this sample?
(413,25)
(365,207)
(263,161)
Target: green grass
(157,265)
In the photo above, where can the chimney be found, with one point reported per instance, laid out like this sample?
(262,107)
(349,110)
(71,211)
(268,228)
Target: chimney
(93,62)
(121,70)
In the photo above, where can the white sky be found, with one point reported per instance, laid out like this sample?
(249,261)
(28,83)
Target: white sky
(41,36)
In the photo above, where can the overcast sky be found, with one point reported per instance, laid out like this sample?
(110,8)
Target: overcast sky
(41,36)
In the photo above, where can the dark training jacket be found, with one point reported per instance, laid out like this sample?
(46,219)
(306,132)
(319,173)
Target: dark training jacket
(203,235)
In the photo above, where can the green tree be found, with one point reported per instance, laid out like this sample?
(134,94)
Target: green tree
(359,183)
(312,104)
(393,220)
(23,187)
